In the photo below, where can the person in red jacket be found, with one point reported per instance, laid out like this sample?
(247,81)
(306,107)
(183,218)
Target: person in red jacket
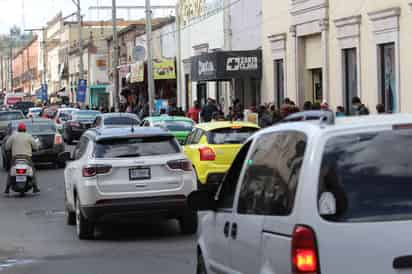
(194,111)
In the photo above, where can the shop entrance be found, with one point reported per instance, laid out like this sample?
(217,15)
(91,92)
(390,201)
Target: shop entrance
(201,93)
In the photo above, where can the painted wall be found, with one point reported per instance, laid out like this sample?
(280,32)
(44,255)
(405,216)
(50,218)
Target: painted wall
(245,21)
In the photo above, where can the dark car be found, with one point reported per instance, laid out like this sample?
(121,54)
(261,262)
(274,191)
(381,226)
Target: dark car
(23,106)
(45,133)
(6,117)
(79,122)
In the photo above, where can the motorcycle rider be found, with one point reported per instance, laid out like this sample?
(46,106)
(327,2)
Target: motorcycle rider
(22,145)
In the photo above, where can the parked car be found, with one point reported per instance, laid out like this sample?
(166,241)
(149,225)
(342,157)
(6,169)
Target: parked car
(24,106)
(128,174)
(62,116)
(34,112)
(179,126)
(116,120)
(311,197)
(212,147)
(45,132)
(79,122)
(6,117)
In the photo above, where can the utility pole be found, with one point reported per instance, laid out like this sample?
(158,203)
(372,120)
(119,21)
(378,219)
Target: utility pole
(181,99)
(11,67)
(150,80)
(115,58)
(44,52)
(79,29)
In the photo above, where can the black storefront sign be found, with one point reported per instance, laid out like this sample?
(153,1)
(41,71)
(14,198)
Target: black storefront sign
(227,65)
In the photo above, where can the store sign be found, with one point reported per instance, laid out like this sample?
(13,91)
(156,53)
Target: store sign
(227,65)
(164,69)
(192,9)
(137,72)
(139,53)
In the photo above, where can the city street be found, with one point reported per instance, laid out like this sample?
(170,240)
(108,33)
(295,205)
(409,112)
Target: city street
(35,239)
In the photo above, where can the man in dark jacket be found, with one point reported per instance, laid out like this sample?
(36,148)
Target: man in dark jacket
(358,107)
(208,110)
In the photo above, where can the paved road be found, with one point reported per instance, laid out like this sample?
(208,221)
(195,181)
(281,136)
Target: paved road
(35,239)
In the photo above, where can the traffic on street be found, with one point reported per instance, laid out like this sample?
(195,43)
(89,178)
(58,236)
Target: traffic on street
(205,136)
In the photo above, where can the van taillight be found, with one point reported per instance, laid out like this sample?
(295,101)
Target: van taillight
(304,251)
(93,170)
(207,154)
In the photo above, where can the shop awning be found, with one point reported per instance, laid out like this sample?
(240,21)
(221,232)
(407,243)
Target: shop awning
(227,65)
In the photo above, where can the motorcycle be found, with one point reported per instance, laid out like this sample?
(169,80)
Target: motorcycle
(21,176)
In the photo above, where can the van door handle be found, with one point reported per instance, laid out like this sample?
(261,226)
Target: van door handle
(226,229)
(403,262)
(233,234)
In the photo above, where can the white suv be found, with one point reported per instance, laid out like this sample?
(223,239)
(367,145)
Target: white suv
(314,197)
(121,173)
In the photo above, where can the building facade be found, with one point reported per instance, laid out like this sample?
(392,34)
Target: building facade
(26,75)
(220,52)
(317,50)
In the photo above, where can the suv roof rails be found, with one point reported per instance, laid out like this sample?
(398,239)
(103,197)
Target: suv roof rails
(327,118)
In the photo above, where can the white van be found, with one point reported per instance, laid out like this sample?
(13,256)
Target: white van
(314,197)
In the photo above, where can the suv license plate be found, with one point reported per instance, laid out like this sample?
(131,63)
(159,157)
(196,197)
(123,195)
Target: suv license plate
(139,174)
(21,179)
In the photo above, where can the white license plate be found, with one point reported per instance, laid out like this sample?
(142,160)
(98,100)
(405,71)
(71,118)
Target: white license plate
(139,174)
(21,179)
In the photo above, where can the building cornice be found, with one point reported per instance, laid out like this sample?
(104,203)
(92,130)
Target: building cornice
(348,21)
(386,13)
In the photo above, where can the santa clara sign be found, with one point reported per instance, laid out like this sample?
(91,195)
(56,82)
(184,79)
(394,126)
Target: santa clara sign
(192,9)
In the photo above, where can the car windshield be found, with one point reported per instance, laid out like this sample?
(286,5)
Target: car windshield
(176,125)
(235,135)
(371,180)
(38,128)
(10,116)
(113,121)
(136,147)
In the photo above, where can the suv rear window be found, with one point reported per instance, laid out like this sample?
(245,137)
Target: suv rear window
(125,121)
(230,135)
(370,175)
(136,147)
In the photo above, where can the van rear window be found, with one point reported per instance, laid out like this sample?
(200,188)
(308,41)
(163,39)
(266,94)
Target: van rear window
(136,147)
(370,175)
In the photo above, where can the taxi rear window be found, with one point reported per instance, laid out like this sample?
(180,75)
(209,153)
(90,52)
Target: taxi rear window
(232,135)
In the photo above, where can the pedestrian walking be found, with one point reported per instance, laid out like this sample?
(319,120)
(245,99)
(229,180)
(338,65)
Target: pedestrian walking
(358,107)
(194,112)
(208,110)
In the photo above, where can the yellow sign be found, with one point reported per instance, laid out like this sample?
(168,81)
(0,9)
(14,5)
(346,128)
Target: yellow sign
(137,72)
(164,69)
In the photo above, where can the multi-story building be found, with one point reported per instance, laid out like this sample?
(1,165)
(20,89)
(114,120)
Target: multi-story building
(133,62)
(317,50)
(26,75)
(220,51)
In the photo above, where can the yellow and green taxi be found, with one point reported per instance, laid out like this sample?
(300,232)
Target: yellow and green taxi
(212,147)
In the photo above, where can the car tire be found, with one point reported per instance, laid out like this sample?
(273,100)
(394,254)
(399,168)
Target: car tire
(189,223)
(84,228)
(201,266)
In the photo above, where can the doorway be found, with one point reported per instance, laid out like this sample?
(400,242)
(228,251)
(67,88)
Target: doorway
(201,90)
(317,89)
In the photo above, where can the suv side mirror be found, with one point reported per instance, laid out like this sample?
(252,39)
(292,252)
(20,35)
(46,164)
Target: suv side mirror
(202,201)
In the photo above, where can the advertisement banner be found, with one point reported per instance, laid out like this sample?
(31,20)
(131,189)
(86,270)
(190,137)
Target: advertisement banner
(164,69)
(137,72)
(81,91)
(44,92)
(161,104)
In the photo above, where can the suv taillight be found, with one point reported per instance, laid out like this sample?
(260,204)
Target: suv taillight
(207,154)
(58,140)
(304,251)
(184,165)
(93,170)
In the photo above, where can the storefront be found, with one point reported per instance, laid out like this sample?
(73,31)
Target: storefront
(99,96)
(243,69)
